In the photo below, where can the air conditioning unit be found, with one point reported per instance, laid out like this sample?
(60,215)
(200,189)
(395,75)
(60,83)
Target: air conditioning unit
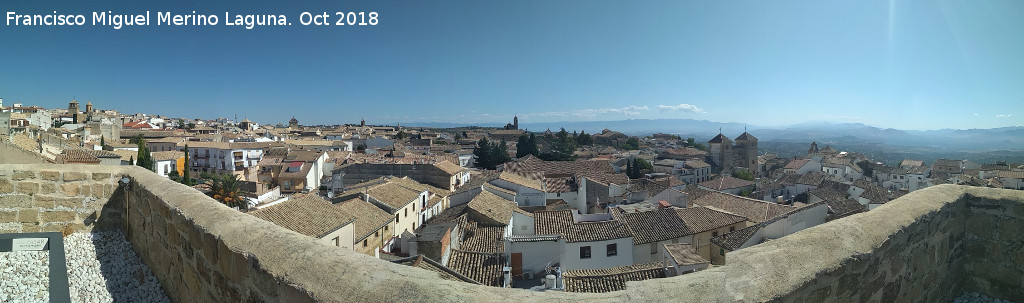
(528,275)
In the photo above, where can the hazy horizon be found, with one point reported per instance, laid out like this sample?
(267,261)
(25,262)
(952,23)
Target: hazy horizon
(888,64)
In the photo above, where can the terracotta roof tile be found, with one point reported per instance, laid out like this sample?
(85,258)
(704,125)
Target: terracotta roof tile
(753,210)
(610,279)
(309,215)
(481,267)
(561,222)
(369,218)
(725,183)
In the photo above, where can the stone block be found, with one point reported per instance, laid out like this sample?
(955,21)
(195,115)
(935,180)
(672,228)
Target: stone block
(58,216)
(980,225)
(891,291)
(210,249)
(47,188)
(23,175)
(975,250)
(1011,230)
(42,201)
(15,201)
(100,176)
(28,215)
(69,189)
(6,186)
(27,187)
(30,227)
(74,176)
(72,202)
(8,216)
(1018,210)
(50,175)
(51,227)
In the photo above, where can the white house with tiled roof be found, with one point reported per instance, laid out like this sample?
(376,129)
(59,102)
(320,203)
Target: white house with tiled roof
(312,216)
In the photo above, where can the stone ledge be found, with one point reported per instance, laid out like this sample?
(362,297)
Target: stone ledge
(281,265)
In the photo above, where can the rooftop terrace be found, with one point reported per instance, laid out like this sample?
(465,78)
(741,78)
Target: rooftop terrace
(930,245)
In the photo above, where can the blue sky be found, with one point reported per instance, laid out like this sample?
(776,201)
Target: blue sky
(900,64)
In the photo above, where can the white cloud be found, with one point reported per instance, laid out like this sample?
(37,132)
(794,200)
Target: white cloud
(1004,116)
(631,110)
(682,107)
(975,114)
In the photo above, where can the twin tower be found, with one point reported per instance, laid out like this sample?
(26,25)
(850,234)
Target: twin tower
(727,156)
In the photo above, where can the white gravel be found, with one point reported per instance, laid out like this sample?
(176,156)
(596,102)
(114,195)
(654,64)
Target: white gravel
(116,275)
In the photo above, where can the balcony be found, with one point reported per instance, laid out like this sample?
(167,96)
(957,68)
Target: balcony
(927,246)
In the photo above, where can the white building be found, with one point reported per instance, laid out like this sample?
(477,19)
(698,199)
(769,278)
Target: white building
(222,157)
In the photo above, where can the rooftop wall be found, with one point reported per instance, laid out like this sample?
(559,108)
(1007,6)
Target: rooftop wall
(915,248)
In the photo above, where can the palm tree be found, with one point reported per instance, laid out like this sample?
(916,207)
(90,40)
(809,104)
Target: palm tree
(228,190)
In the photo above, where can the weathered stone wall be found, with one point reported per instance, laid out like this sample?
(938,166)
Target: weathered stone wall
(926,246)
(994,247)
(34,200)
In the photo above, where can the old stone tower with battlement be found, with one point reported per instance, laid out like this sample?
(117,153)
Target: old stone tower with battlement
(727,155)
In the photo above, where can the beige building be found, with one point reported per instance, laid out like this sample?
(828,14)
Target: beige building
(373,228)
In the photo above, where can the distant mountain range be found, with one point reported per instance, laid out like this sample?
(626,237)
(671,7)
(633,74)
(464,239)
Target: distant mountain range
(888,144)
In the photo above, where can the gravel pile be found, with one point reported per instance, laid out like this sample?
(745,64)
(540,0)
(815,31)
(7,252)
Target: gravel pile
(102,267)
(973,297)
(25,276)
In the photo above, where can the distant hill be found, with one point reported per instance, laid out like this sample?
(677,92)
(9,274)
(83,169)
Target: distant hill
(882,144)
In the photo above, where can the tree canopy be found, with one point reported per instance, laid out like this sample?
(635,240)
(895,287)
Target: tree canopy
(563,148)
(527,145)
(144,159)
(490,154)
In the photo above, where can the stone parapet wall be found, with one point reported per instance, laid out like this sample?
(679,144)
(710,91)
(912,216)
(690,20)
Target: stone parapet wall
(926,246)
(44,200)
(994,247)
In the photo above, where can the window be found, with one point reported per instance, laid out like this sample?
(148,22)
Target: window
(336,242)
(714,234)
(385,228)
(376,233)
(612,249)
(585,252)
(721,252)
(732,228)
(407,211)
(396,218)
(364,242)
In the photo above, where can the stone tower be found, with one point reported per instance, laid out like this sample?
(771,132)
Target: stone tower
(293,122)
(813,149)
(720,151)
(515,122)
(746,151)
(73,107)
(88,107)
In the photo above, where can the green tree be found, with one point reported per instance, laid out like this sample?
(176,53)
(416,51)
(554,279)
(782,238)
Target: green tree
(227,189)
(637,167)
(629,170)
(527,145)
(743,174)
(490,154)
(400,135)
(186,177)
(584,139)
(144,158)
(103,143)
(562,148)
